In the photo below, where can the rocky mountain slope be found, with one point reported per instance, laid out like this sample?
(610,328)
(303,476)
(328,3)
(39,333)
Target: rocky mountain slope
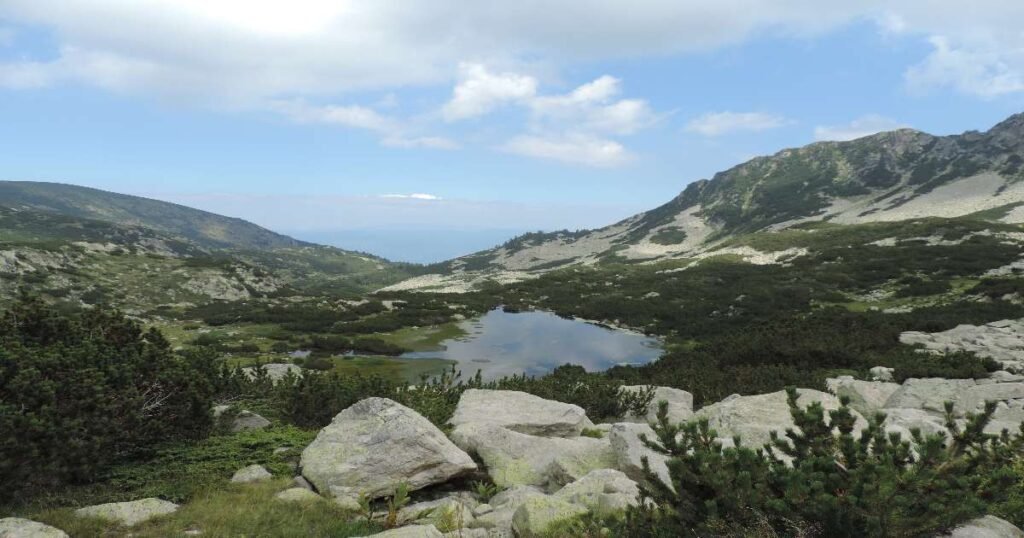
(887,177)
(163,256)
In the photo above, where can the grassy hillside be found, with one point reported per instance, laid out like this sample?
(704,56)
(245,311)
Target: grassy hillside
(201,227)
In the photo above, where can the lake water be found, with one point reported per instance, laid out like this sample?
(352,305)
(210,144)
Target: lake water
(501,344)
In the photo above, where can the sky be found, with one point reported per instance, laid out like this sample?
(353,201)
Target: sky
(423,130)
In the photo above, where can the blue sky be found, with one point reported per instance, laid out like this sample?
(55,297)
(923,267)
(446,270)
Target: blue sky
(334,120)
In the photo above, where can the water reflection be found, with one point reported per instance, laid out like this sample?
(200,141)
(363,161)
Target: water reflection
(501,343)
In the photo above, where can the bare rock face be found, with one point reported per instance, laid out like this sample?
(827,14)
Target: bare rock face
(520,412)
(753,418)
(986,527)
(129,513)
(629,451)
(514,458)
(377,444)
(604,492)
(929,394)
(276,371)
(536,516)
(882,373)
(16,527)
(866,397)
(680,404)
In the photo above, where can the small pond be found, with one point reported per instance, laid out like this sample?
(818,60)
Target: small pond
(501,343)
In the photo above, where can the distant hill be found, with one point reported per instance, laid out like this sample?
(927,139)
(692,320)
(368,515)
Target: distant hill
(201,227)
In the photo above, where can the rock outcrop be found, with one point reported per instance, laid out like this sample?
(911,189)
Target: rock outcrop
(866,397)
(297,495)
(16,527)
(520,412)
(629,451)
(753,418)
(377,444)
(129,513)
(680,404)
(514,458)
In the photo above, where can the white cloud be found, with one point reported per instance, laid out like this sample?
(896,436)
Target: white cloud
(413,196)
(720,123)
(858,128)
(590,107)
(394,133)
(985,70)
(575,149)
(479,91)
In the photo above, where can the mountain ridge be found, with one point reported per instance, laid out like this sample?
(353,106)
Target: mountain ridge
(885,177)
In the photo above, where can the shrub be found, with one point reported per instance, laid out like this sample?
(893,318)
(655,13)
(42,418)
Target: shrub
(832,480)
(78,392)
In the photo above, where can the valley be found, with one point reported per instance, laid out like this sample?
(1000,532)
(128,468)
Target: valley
(815,268)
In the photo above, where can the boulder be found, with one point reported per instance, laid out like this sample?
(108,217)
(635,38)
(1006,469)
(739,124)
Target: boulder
(298,495)
(520,412)
(252,473)
(301,482)
(16,527)
(503,507)
(276,371)
(866,397)
(453,511)
(928,394)
(377,444)
(986,527)
(514,458)
(629,451)
(903,420)
(972,399)
(412,531)
(753,418)
(680,404)
(129,513)
(604,492)
(882,373)
(1008,416)
(536,516)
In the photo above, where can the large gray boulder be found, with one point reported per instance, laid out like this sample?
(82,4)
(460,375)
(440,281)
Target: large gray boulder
(972,399)
(866,397)
(244,420)
(753,418)
(520,412)
(629,451)
(443,513)
(129,513)
(537,515)
(680,404)
(16,527)
(1008,416)
(929,394)
(377,444)
(882,373)
(514,458)
(986,527)
(902,420)
(604,492)
(503,507)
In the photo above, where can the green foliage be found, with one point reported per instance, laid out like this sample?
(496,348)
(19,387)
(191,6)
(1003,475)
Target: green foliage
(822,474)
(80,392)
(669,236)
(396,502)
(484,490)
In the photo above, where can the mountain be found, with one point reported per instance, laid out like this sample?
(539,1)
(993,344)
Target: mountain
(80,244)
(201,227)
(887,177)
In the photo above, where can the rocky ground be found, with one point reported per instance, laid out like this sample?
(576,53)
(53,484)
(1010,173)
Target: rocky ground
(549,462)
